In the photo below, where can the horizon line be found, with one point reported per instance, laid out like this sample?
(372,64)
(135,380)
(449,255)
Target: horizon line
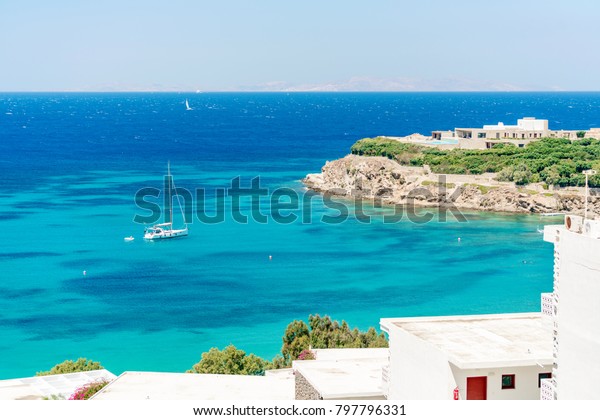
(194,92)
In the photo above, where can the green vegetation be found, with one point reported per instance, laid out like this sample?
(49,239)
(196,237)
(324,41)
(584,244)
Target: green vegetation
(483,188)
(441,184)
(230,361)
(69,366)
(298,339)
(528,191)
(323,333)
(549,160)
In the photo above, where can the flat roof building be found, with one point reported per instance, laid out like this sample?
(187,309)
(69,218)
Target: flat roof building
(468,357)
(341,374)
(60,386)
(191,386)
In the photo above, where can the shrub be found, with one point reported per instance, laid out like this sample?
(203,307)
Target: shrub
(69,366)
(323,333)
(87,391)
(551,160)
(230,361)
(306,355)
(506,174)
(521,174)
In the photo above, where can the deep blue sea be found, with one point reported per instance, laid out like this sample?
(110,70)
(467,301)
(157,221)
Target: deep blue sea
(72,163)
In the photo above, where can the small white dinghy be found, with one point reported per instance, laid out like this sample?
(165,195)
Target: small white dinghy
(128,239)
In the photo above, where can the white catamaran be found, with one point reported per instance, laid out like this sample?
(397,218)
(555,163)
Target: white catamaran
(165,230)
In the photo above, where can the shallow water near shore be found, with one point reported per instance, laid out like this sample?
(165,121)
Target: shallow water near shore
(71,164)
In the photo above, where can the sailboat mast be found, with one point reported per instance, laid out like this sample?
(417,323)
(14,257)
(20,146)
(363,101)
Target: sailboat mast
(170,197)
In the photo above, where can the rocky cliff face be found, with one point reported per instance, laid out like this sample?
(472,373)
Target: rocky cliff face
(384,179)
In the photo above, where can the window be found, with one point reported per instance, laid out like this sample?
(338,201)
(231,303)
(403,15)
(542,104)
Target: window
(508,381)
(541,376)
(481,135)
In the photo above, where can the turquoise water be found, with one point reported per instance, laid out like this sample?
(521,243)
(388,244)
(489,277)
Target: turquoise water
(67,203)
(158,306)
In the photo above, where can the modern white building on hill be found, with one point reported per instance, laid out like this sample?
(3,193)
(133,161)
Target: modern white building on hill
(526,130)
(575,308)
(495,357)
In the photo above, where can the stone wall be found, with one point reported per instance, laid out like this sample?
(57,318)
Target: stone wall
(304,390)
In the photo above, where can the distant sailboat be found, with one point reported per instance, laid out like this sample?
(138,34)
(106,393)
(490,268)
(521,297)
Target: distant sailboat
(165,230)
(187,106)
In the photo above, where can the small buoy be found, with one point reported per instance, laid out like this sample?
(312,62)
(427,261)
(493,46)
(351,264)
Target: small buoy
(84,272)
(458,239)
(270,257)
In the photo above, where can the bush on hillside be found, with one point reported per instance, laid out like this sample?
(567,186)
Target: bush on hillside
(69,366)
(550,160)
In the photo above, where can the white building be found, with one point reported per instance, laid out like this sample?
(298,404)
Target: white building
(277,385)
(338,374)
(526,130)
(576,310)
(60,386)
(496,357)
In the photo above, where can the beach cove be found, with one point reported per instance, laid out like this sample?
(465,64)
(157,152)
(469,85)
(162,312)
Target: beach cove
(77,160)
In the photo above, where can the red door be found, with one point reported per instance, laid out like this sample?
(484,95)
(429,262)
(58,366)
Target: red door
(477,388)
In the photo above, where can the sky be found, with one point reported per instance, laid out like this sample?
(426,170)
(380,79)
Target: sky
(309,45)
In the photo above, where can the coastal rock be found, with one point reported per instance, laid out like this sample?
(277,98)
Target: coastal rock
(386,180)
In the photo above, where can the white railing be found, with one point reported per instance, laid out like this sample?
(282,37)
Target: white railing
(547,303)
(547,389)
(385,380)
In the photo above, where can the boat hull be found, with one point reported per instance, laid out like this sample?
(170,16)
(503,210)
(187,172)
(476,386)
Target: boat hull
(166,234)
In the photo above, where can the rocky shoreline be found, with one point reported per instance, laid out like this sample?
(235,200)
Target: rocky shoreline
(380,178)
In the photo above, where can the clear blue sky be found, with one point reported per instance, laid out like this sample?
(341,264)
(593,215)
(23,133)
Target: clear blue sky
(299,45)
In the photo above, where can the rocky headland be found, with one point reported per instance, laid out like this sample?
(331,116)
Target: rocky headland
(380,178)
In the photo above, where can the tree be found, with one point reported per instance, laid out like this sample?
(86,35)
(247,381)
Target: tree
(295,339)
(521,174)
(230,361)
(324,333)
(69,366)
(551,175)
(580,134)
(506,174)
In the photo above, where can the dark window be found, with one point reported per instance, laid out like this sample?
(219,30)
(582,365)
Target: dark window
(508,381)
(541,376)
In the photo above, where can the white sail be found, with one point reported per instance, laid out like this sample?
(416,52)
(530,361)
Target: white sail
(187,106)
(165,230)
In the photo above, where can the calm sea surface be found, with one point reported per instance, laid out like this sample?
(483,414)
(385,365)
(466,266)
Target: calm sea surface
(71,164)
